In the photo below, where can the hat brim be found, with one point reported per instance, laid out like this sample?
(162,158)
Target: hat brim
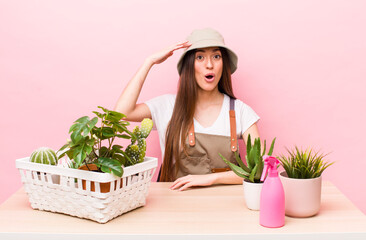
(210,43)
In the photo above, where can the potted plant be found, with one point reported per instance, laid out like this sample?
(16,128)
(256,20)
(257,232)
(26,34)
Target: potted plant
(92,148)
(302,181)
(252,171)
(126,172)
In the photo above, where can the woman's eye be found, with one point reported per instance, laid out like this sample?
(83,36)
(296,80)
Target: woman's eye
(217,56)
(199,57)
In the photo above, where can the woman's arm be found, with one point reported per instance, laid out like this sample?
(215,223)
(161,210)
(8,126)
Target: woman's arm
(126,103)
(253,131)
(185,182)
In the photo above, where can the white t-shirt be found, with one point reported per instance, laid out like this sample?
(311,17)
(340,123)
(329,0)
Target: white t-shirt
(162,108)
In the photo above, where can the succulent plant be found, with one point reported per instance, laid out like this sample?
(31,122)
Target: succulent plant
(136,151)
(304,164)
(44,155)
(252,171)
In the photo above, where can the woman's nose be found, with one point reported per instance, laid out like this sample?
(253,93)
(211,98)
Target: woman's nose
(209,63)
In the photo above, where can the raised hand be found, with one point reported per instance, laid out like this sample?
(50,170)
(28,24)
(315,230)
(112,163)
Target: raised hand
(127,102)
(162,55)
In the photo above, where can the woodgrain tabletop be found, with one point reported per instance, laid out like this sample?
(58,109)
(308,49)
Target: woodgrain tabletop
(216,212)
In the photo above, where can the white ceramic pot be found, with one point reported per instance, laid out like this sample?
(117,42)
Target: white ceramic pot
(302,196)
(252,194)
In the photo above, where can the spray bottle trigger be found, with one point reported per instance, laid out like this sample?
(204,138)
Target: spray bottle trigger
(265,169)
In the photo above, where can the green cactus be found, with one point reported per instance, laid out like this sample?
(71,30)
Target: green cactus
(146,126)
(137,149)
(137,132)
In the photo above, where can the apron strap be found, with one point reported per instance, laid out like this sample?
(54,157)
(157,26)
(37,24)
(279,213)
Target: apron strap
(234,140)
(191,138)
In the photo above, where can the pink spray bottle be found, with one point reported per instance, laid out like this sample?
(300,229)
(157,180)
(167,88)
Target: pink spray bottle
(272,203)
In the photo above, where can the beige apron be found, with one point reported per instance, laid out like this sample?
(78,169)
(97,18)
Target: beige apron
(203,150)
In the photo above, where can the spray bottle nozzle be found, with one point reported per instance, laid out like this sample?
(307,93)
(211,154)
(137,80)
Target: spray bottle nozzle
(269,163)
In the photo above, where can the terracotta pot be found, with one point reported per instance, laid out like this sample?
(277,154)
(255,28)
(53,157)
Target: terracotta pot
(302,196)
(252,194)
(104,187)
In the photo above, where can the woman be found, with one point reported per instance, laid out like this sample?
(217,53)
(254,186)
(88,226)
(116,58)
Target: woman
(202,120)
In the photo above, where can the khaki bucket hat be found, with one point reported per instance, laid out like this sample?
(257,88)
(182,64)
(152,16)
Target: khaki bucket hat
(202,38)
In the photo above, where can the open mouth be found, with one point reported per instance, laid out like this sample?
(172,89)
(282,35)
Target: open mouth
(210,77)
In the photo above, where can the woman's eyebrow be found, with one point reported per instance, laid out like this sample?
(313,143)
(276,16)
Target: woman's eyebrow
(213,50)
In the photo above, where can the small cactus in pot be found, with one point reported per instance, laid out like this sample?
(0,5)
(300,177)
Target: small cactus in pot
(136,151)
(44,155)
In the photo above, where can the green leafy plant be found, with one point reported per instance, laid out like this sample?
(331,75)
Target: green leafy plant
(91,144)
(252,171)
(304,164)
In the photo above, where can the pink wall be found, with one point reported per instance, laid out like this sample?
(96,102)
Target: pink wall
(301,67)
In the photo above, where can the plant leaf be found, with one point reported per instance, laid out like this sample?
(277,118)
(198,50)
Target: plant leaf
(120,158)
(271,148)
(107,132)
(252,174)
(125,136)
(303,164)
(114,116)
(112,164)
(104,109)
(236,169)
(264,148)
(100,115)
(249,144)
(240,162)
(258,174)
(257,150)
(82,127)
(81,150)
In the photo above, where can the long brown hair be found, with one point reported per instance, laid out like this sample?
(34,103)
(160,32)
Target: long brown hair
(183,112)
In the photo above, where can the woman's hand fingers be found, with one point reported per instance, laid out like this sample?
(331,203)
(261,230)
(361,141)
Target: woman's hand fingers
(187,185)
(162,55)
(193,180)
(180,45)
(179,182)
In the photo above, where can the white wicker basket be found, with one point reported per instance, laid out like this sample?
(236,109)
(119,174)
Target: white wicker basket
(58,189)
